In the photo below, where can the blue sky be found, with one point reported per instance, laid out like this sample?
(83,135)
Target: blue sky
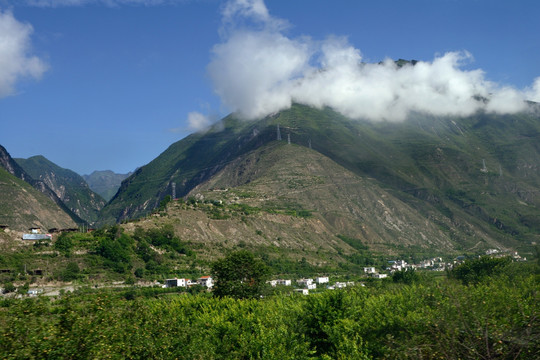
(110,84)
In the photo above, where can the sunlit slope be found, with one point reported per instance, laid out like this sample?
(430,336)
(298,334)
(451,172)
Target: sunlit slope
(23,207)
(69,186)
(476,179)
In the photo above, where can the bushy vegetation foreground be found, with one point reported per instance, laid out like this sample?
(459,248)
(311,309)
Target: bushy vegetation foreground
(496,316)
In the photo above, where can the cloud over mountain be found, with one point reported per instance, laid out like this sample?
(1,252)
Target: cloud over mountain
(16,61)
(258,69)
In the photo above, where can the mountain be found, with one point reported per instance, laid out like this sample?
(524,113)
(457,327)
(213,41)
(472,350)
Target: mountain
(105,183)
(22,206)
(69,186)
(451,183)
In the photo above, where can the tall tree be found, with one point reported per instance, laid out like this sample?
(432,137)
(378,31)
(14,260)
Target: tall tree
(240,275)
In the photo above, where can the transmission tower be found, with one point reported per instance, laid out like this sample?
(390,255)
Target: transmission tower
(173,190)
(484,168)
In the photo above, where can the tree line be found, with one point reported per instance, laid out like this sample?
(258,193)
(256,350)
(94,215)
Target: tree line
(488,309)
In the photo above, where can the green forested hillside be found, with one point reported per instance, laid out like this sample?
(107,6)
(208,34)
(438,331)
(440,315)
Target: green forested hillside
(474,179)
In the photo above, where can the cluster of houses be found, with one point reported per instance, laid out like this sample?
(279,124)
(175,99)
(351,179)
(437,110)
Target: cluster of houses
(304,285)
(205,281)
(498,253)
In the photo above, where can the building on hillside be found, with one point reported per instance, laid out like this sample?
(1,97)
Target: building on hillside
(302,291)
(37,236)
(35,230)
(284,282)
(379,276)
(205,281)
(175,282)
(307,283)
(369,270)
(322,280)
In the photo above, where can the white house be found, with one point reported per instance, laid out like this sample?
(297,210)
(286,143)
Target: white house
(322,280)
(302,291)
(307,283)
(340,285)
(304,282)
(175,282)
(272,283)
(205,281)
(284,282)
(369,270)
(379,276)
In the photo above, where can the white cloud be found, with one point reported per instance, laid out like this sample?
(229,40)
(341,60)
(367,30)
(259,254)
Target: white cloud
(16,62)
(198,121)
(253,72)
(258,70)
(533,93)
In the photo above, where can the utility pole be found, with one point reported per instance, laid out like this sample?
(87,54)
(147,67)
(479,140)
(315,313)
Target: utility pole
(289,139)
(309,142)
(173,190)
(278,133)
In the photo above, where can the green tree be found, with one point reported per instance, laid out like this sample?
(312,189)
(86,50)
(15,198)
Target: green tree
(474,271)
(71,272)
(240,275)
(406,276)
(64,244)
(9,287)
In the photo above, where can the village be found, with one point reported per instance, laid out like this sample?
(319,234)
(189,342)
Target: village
(304,285)
(301,285)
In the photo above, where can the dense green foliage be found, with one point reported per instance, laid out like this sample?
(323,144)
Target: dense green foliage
(498,318)
(476,270)
(240,275)
(107,254)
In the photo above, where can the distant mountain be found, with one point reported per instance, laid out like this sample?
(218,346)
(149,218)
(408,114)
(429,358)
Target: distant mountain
(105,183)
(22,206)
(451,183)
(69,186)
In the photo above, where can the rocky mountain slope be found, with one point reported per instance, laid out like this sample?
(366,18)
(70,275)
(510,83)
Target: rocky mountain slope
(439,182)
(8,164)
(23,207)
(69,186)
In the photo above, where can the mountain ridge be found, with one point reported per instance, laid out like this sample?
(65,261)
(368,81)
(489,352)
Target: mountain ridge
(433,164)
(23,205)
(69,187)
(105,182)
